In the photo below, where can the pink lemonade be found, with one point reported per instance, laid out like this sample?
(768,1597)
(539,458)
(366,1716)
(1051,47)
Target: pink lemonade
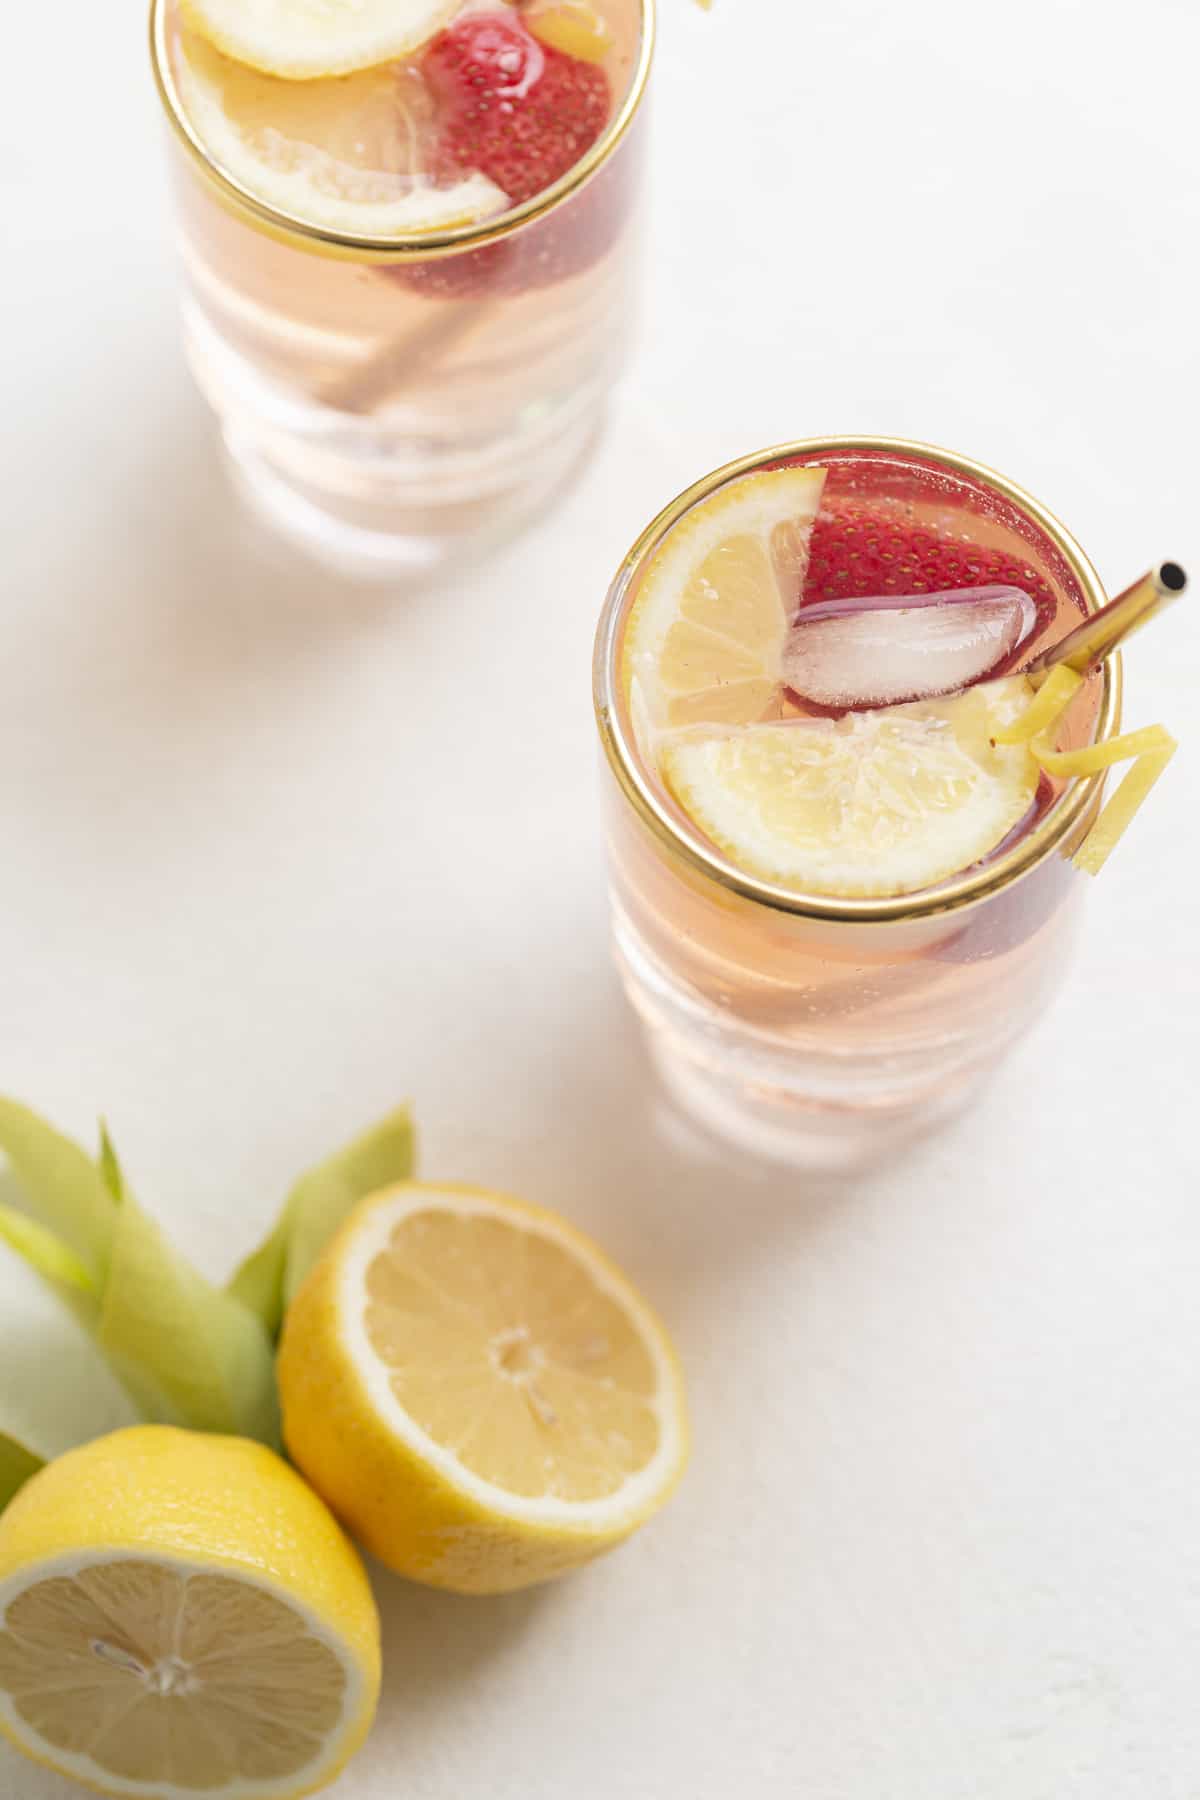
(837,898)
(406,282)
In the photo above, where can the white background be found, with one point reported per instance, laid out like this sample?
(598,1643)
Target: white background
(275,852)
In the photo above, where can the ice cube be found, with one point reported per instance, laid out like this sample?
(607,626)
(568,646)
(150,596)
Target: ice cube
(846,655)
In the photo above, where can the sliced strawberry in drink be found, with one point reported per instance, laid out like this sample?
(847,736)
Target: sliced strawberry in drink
(511,108)
(859,551)
(893,611)
(569,239)
(845,655)
(527,112)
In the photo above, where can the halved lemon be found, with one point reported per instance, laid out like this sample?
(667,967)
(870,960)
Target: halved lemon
(345,155)
(477,1391)
(874,803)
(180,1616)
(303,39)
(705,635)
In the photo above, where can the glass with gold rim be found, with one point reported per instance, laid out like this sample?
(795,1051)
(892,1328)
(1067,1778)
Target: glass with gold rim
(407,361)
(826,1028)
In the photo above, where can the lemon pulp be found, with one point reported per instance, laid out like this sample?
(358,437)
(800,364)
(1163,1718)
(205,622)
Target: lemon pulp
(345,155)
(873,803)
(303,39)
(180,1615)
(477,1391)
(159,1675)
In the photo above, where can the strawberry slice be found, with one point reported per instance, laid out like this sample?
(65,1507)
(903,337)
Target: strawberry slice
(518,111)
(856,552)
(567,242)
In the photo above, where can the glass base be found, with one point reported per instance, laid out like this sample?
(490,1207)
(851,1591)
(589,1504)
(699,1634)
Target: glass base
(777,1124)
(407,538)
(788,1100)
(393,494)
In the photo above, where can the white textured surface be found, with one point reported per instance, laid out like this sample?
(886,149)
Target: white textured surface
(273,853)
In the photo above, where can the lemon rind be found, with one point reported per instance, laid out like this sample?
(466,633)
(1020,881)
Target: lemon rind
(291,191)
(828,870)
(638,1495)
(753,505)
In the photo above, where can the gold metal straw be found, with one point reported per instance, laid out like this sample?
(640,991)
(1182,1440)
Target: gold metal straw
(1101,634)
(1058,675)
(397,362)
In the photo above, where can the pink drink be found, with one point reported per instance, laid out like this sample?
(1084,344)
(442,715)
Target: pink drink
(815,1026)
(388,395)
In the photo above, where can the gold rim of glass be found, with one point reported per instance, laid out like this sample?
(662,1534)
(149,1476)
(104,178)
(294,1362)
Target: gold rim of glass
(1059,823)
(417,245)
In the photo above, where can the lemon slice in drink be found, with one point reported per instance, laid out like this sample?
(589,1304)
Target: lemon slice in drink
(477,1391)
(573,27)
(181,1616)
(874,803)
(342,155)
(302,39)
(704,640)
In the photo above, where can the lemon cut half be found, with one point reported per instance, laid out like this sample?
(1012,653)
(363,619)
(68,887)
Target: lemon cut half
(180,1616)
(875,803)
(303,39)
(477,1391)
(704,639)
(343,156)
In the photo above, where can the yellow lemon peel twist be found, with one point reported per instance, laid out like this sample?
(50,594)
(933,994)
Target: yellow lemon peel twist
(1150,750)
(1045,709)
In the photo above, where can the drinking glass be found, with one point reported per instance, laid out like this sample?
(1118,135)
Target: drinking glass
(388,402)
(822,1030)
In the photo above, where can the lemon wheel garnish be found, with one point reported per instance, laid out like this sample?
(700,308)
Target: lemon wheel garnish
(303,39)
(341,155)
(477,1391)
(874,803)
(1149,749)
(181,1616)
(704,639)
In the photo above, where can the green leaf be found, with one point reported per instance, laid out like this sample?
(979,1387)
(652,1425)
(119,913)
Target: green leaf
(259,1282)
(59,1184)
(267,1281)
(321,1200)
(47,1253)
(110,1168)
(56,1390)
(187,1352)
(17,1464)
(49,1257)
(184,1351)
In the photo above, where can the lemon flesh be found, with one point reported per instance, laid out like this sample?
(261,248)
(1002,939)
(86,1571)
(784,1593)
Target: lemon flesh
(875,803)
(477,1391)
(575,28)
(303,39)
(705,635)
(345,156)
(879,802)
(180,1615)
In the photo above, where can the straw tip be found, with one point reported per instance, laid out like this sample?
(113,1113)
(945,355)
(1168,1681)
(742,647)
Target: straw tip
(1172,577)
